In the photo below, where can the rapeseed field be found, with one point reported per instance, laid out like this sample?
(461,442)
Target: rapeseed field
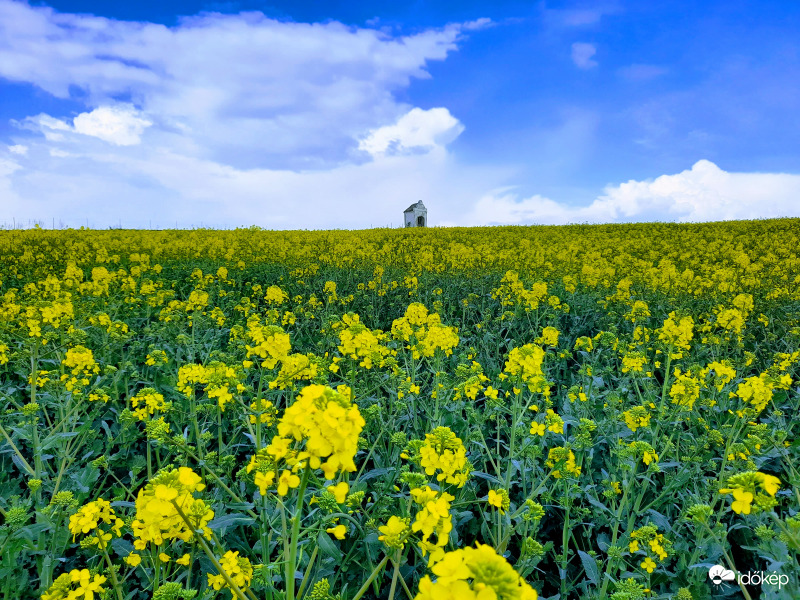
(602,412)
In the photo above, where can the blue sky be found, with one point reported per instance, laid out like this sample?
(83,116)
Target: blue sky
(340,114)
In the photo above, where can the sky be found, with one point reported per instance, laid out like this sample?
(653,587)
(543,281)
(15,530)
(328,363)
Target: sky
(331,114)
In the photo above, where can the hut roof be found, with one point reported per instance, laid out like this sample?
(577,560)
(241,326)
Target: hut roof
(414,206)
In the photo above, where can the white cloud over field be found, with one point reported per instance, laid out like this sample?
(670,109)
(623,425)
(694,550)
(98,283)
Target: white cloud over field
(232,120)
(703,193)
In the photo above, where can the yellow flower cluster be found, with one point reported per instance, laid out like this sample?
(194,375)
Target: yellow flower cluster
(633,362)
(549,337)
(562,460)
(722,373)
(512,292)
(499,499)
(219,379)
(237,568)
(360,343)
(685,390)
(524,364)
(677,333)
(443,451)
(263,411)
(78,584)
(636,417)
(295,368)
(269,342)
(151,402)
(156,357)
(157,518)
(752,491)
(395,532)
(91,517)
(756,391)
(330,425)
(474,574)
(647,540)
(424,333)
(275,295)
(81,365)
(642,451)
(432,517)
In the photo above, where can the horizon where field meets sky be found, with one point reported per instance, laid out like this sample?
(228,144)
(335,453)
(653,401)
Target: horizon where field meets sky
(316,115)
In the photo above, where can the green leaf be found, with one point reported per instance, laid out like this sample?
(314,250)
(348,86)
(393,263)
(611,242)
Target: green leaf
(590,566)
(327,548)
(376,473)
(222,523)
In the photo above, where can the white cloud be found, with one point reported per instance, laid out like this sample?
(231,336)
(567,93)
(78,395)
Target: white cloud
(18,149)
(7,167)
(230,120)
(243,90)
(703,193)
(416,130)
(582,54)
(121,125)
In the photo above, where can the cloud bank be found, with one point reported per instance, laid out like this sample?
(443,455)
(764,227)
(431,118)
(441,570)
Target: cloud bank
(703,193)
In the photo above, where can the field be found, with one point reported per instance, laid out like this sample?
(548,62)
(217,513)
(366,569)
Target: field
(595,412)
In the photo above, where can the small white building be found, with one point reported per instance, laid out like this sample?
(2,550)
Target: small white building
(416,215)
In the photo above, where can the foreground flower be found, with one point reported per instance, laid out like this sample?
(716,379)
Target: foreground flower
(157,518)
(237,568)
(499,499)
(395,532)
(752,490)
(330,425)
(91,518)
(474,574)
(78,584)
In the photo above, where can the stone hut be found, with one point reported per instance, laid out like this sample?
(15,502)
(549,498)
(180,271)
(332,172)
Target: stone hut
(416,215)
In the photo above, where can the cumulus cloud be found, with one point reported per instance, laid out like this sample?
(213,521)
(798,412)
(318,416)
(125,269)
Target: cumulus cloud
(582,54)
(416,130)
(243,90)
(227,119)
(703,193)
(119,125)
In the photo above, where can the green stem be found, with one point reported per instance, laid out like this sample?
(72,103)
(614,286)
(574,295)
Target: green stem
(395,574)
(298,511)
(24,462)
(730,562)
(565,541)
(615,532)
(372,576)
(113,574)
(310,565)
(229,582)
